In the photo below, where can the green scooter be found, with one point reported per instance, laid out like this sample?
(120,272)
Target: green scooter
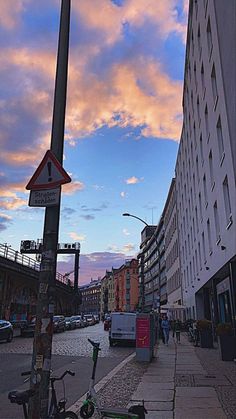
(91,403)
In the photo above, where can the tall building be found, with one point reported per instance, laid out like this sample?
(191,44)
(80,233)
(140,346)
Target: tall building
(152,275)
(206,163)
(173,276)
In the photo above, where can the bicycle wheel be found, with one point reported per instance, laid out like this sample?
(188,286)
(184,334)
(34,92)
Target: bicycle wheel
(87,411)
(67,415)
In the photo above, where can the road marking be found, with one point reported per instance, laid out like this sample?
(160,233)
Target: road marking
(76,406)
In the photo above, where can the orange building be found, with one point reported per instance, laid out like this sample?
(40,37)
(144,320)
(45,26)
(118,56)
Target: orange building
(126,286)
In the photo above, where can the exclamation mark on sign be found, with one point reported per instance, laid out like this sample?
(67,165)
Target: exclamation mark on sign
(49,164)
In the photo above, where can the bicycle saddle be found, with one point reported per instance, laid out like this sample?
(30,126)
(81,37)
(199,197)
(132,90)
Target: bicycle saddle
(20,397)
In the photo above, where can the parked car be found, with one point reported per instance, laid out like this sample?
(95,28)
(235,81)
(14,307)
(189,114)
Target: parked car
(96,318)
(27,330)
(70,323)
(59,324)
(123,328)
(89,319)
(6,330)
(78,321)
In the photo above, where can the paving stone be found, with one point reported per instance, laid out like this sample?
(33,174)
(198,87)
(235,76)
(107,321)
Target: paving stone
(195,392)
(157,406)
(196,402)
(159,415)
(150,393)
(204,413)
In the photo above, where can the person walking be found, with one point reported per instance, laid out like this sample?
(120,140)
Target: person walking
(165,325)
(177,329)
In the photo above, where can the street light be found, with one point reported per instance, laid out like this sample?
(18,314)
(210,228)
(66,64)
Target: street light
(126,214)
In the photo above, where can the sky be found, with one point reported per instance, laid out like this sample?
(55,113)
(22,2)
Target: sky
(122,128)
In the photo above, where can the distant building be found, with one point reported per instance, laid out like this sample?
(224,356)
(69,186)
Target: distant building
(91,297)
(107,293)
(126,286)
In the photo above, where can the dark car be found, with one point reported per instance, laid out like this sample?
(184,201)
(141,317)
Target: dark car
(28,329)
(6,330)
(59,323)
(70,323)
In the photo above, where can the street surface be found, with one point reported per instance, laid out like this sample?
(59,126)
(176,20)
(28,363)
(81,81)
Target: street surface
(71,350)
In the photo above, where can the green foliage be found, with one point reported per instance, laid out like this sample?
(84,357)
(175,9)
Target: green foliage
(224,329)
(204,324)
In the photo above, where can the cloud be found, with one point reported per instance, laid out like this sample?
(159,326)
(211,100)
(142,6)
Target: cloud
(10,12)
(127,248)
(77,237)
(93,265)
(73,187)
(133,180)
(125,232)
(88,217)
(123,194)
(5,220)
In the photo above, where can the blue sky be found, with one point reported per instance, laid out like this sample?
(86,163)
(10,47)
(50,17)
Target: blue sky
(123,120)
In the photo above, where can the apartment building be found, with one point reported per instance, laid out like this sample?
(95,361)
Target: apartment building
(152,275)
(90,297)
(206,163)
(172,263)
(126,286)
(107,293)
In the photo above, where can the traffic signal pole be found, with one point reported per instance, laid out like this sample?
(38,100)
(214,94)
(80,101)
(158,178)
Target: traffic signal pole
(42,347)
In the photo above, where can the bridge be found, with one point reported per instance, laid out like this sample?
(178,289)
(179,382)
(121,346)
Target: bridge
(19,278)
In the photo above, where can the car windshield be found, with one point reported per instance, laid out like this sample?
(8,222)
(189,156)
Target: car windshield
(56,318)
(67,319)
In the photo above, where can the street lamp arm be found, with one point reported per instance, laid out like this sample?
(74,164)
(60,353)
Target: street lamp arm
(126,214)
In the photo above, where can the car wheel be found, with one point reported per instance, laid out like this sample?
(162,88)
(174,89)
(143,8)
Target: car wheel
(10,337)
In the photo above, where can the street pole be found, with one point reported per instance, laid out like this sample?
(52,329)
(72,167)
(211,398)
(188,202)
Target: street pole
(159,261)
(42,348)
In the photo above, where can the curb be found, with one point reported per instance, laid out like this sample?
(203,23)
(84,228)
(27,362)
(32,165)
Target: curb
(76,406)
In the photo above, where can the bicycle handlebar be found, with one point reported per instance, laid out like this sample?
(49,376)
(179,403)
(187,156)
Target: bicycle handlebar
(95,344)
(62,376)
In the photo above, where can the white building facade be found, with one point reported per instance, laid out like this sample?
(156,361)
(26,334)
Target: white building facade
(206,163)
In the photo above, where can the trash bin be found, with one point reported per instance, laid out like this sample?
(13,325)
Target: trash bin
(145,336)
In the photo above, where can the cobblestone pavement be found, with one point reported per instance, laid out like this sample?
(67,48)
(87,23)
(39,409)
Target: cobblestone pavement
(73,343)
(223,377)
(118,391)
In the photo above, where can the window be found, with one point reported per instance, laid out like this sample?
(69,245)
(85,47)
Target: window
(211,169)
(220,139)
(195,75)
(209,236)
(197,167)
(198,109)
(204,247)
(207,123)
(205,189)
(199,256)
(199,41)
(201,149)
(203,81)
(217,222)
(227,201)
(194,135)
(196,215)
(200,204)
(214,86)
(209,38)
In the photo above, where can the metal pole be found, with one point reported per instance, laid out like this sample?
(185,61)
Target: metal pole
(159,260)
(42,349)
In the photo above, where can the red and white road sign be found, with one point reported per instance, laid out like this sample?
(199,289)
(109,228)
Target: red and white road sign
(49,174)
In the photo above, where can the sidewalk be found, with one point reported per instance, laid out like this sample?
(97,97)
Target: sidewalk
(176,386)
(181,382)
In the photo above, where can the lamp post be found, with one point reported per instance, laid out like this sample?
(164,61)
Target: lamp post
(126,214)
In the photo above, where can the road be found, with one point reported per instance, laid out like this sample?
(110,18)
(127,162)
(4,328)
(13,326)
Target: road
(71,350)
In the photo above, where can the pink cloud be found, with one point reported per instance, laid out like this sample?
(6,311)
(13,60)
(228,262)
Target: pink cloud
(10,12)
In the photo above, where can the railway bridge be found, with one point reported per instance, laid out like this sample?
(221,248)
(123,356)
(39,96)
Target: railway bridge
(19,278)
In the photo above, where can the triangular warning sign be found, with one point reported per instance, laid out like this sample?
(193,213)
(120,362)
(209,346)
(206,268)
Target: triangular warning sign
(49,174)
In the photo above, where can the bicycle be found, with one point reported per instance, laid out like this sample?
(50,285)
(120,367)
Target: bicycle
(91,402)
(57,409)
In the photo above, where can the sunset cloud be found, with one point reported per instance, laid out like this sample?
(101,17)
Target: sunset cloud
(132,180)
(10,12)
(77,237)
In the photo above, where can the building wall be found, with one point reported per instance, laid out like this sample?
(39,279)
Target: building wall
(173,277)
(205,167)
(91,294)
(126,286)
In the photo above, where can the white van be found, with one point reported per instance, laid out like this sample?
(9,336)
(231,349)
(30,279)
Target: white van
(123,328)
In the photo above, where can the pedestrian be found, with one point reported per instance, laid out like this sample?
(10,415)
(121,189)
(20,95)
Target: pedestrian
(177,330)
(161,334)
(165,324)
